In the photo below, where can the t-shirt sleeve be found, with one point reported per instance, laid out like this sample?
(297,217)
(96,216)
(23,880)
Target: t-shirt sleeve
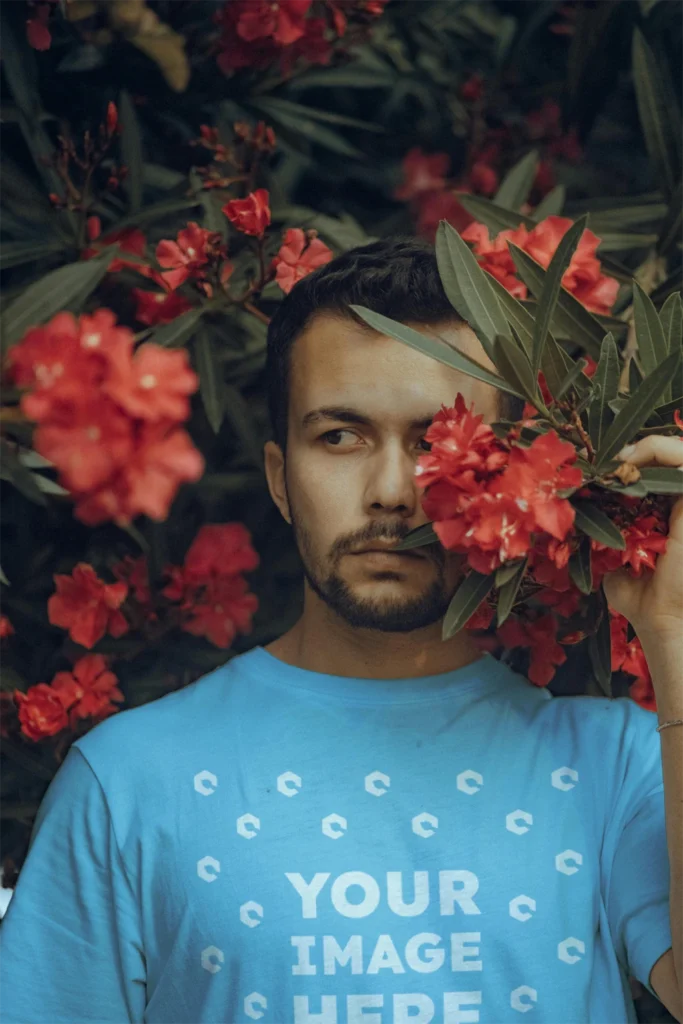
(638,890)
(71,949)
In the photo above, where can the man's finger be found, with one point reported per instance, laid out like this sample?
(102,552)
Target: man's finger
(664,451)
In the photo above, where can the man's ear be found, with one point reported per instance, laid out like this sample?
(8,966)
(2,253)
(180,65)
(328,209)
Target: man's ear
(275,475)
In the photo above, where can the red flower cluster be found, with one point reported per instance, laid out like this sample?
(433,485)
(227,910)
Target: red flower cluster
(488,499)
(628,656)
(583,277)
(86,692)
(108,416)
(251,215)
(87,606)
(6,627)
(213,593)
(300,253)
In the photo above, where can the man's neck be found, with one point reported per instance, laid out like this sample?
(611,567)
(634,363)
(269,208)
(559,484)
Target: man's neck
(321,641)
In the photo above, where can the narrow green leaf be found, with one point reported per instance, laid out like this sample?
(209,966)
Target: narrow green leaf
(65,288)
(210,380)
(434,347)
(22,478)
(465,602)
(301,110)
(600,646)
(571,378)
(589,519)
(670,228)
(659,112)
(662,479)
(506,572)
(14,254)
(131,151)
(652,344)
(468,288)
(671,318)
(516,185)
(495,218)
(517,315)
(580,566)
(178,331)
(606,379)
(307,128)
(3,578)
(635,412)
(570,318)
(418,538)
(508,592)
(551,205)
(551,287)
(516,368)
(623,241)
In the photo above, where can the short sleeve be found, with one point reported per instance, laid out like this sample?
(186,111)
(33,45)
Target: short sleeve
(638,891)
(70,945)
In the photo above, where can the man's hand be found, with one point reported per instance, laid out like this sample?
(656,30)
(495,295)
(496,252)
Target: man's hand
(653,603)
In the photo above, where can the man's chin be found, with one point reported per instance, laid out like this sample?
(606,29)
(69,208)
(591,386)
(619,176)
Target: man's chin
(384,605)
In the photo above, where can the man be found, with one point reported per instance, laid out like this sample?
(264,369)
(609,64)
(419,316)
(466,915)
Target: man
(359,822)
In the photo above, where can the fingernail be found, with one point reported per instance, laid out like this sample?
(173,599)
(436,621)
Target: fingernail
(626,452)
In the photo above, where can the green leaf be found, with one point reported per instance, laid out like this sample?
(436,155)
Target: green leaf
(637,409)
(465,602)
(551,287)
(131,151)
(606,382)
(662,479)
(621,217)
(615,241)
(468,288)
(65,288)
(670,228)
(238,413)
(516,185)
(590,520)
(516,368)
(659,112)
(551,205)
(301,110)
(508,592)
(210,381)
(495,218)
(307,128)
(580,566)
(652,344)
(571,378)
(418,538)
(434,347)
(506,572)
(15,254)
(600,645)
(671,317)
(570,318)
(178,331)
(22,478)
(3,578)
(517,315)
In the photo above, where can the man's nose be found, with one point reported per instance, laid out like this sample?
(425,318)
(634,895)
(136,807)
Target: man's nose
(391,486)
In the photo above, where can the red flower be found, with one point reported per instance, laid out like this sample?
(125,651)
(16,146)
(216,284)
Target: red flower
(314,46)
(472,89)
(154,385)
(37,32)
(281,20)
(135,573)
(482,178)
(93,227)
(87,442)
(41,712)
(219,549)
(250,215)
(88,690)
(464,449)
(536,474)
(628,656)
(185,256)
(128,240)
(159,307)
(87,606)
(433,207)
(540,637)
(495,255)
(645,538)
(112,121)
(6,627)
(225,609)
(422,172)
(296,258)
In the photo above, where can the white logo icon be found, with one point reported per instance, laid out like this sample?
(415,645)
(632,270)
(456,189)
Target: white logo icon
(465,779)
(246,820)
(560,773)
(521,901)
(205,783)
(328,826)
(210,954)
(246,911)
(419,824)
(255,999)
(513,817)
(288,783)
(516,998)
(372,780)
(203,866)
(567,944)
(561,862)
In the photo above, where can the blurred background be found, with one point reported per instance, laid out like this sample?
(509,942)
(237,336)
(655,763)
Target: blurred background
(181,164)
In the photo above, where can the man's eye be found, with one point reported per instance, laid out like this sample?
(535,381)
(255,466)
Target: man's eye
(425,445)
(336,437)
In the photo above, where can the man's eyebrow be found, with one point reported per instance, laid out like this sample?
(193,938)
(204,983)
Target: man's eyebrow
(344,414)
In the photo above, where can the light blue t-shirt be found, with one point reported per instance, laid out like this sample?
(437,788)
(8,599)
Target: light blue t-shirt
(272,844)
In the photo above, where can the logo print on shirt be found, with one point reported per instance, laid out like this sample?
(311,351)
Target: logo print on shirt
(371,781)
(244,821)
(521,901)
(419,824)
(570,943)
(208,955)
(561,862)
(250,1001)
(284,779)
(516,998)
(249,908)
(203,866)
(557,778)
(512,818)
(330,821)
(463,781)
(202,780)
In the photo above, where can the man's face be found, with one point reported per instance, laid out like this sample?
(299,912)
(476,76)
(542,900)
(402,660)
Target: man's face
(359,406)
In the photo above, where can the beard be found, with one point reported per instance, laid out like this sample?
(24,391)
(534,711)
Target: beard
(388,616)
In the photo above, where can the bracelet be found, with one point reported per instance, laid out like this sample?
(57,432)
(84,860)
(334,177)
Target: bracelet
(676,721)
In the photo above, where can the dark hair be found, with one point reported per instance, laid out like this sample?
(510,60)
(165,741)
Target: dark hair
(397,276)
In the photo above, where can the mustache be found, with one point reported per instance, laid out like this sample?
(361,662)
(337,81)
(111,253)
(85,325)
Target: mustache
(386,531)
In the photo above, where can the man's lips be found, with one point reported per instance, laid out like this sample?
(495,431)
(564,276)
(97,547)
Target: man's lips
(388,551)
